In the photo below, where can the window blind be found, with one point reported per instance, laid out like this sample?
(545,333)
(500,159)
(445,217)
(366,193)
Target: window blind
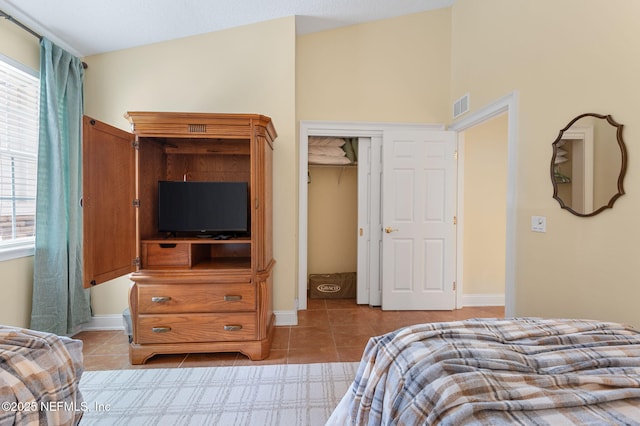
(19,123)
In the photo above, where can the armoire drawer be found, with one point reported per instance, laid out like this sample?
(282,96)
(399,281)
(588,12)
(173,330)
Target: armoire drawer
(195,298)
(196,328)
(163,255)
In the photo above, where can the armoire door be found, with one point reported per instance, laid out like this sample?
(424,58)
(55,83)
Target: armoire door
(418,209)
(108,211)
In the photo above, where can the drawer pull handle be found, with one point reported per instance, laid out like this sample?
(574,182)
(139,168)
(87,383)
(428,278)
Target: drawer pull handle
(161,329)
(160,299)
(232,327)
(232,298)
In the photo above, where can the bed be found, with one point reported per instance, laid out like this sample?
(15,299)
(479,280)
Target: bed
(39,378)
(497,372)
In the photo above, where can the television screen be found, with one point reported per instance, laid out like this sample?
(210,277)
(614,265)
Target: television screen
(202,207)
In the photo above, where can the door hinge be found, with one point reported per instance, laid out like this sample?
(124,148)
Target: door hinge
(455,154)
(455,220)
(136,261)
(455,286)
(136,203)
(135,144)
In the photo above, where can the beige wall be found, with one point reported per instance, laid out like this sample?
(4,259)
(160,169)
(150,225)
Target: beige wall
(395,70)
(19,45)
(485,208)
(564,58)
(17,291)
(358,73)
(392,70)
(249,69)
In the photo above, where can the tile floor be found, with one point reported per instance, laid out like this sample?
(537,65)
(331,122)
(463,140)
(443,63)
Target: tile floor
(330,330)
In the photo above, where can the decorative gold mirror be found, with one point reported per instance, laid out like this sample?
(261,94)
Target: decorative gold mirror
(588,164)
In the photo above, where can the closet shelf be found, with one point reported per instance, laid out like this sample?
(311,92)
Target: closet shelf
(334,165)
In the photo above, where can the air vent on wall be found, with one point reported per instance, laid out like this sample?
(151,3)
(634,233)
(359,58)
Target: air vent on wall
(197,128)
(461,106)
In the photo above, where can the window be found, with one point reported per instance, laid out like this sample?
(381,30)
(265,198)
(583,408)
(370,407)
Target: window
(19,105)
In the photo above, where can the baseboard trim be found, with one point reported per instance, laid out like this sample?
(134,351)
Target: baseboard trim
(116,322)
(286,317)
(104,322)
(483,300)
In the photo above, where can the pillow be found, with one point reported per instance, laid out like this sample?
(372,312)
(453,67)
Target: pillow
(332,151)
(325,141)
(326,159)
(348,149)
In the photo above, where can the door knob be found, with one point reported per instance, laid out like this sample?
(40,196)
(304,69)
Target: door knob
(389,229)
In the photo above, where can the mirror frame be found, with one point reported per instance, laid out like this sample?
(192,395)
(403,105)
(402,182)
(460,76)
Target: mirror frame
(623,166)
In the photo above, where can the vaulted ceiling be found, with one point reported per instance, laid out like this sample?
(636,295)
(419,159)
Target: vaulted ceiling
(88,27)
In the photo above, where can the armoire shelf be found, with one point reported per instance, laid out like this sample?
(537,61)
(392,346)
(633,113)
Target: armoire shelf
(196,253)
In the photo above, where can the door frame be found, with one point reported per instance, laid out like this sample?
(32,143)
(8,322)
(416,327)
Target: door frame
(508,104)
(336,129)
(369,221)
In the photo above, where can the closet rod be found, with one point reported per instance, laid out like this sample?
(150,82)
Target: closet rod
(27,29)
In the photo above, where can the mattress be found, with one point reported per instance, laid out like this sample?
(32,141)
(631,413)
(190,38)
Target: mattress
(39,377)
(498,372)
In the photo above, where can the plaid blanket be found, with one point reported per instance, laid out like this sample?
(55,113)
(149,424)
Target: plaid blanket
(498,372)
(39,376)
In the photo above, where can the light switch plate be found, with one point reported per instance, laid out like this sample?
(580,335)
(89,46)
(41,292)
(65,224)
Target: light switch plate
(539,223)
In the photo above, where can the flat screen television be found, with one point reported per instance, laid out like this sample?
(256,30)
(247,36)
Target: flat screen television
(203,207)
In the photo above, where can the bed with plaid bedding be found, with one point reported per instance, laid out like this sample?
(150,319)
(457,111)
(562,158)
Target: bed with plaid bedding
(498,372)
(39,377)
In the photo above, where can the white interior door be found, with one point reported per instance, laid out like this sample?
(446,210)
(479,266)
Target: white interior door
(369,225)
(418,209)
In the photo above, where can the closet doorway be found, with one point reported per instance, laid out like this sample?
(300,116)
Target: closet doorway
(333,218)
(344,216)
(368,231)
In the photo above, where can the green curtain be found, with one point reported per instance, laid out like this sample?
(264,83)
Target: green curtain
(60,303)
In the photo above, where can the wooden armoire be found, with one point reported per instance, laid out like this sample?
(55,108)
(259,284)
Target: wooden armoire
(189,294)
